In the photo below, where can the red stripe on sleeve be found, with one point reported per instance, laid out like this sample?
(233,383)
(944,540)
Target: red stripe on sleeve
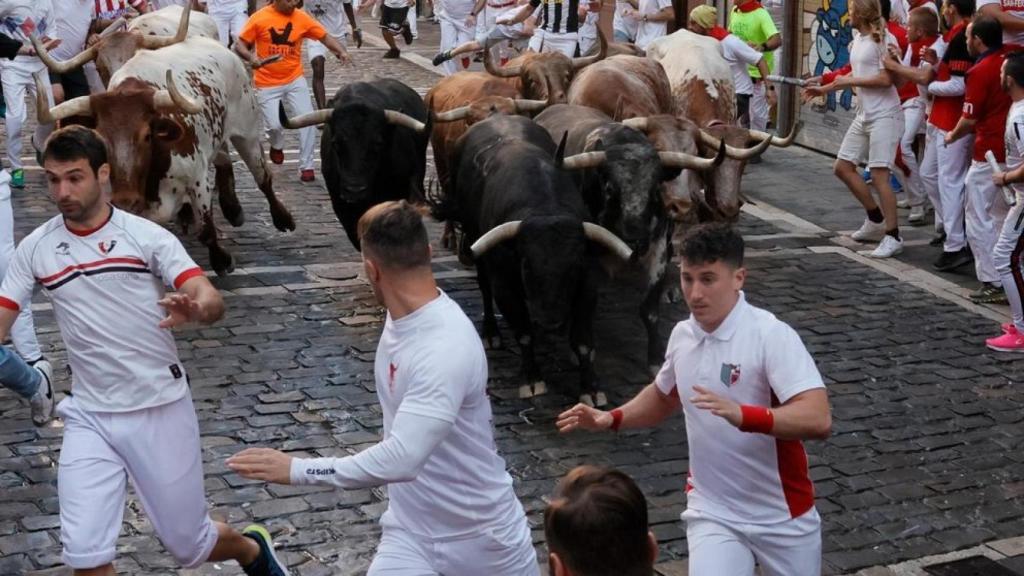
(9,304)
(186,276)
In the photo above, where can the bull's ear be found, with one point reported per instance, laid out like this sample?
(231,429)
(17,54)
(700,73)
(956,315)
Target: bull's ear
(166,129)
(560,153)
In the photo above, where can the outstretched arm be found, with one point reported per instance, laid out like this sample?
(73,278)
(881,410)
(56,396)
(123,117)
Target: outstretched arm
(647,409)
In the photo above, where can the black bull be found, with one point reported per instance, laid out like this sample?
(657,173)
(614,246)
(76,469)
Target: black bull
(373,147)
(526,226)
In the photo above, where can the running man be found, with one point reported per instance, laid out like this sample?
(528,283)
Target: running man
(131,415)
(559,24)
(332,15)
(750,392)
(452,509)
(279,29)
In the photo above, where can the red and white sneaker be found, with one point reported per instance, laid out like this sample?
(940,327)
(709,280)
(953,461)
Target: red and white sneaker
(307,175)
(1009,342)
(1008,328)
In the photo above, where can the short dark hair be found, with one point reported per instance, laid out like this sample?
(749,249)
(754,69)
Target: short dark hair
(886,6)
(394,234)
(708,243)
(597,524)
(988,30)
(74,143)
(1015,67)
(924,19)
(963,7)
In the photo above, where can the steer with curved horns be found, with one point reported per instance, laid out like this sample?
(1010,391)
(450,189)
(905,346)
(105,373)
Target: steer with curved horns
(545,75)
(620,176)
(525,226)
(162,137)
(373,147)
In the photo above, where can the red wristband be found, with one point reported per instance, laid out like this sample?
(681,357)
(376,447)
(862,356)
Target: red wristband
(757,419)
(616,419)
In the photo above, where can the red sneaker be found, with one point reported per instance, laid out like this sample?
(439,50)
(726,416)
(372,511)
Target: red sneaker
(1008,328)
(307,175)
(1009,342)
(277,156)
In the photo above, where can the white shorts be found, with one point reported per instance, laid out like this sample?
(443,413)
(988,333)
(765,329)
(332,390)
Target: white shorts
(547,42)
(873,140)
(499,33)
(718,548)
(501,552)
(158,449)
(314,48)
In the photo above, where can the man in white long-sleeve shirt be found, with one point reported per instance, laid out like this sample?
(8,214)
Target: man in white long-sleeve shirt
(452,509)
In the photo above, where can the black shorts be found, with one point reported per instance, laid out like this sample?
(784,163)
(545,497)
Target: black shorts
(743,109)
(393,18)
(74,83)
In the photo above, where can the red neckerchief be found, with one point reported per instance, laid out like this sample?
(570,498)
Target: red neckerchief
(954,31)
(749,6)
(718,33)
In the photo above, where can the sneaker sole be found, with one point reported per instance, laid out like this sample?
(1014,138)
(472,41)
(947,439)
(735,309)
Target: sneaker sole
(1000,349)
(262,532)
(953,266)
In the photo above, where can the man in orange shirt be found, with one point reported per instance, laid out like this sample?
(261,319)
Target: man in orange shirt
(278,30)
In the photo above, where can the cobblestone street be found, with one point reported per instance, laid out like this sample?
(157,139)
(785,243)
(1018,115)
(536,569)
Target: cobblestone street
(925,456)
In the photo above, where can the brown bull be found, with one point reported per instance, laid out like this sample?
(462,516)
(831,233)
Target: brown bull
(545,75)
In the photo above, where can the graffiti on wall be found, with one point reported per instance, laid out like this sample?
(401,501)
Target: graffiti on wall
(831,35)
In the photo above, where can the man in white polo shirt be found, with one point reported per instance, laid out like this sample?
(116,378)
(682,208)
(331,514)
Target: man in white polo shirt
(750,392)
(451,507)
(130,415)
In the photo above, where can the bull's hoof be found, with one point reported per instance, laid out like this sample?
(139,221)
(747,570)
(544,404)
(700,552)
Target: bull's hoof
(223,264)
(283,220)
(540,388)
(587,399)
(526,391)
(236,219)
(600,400)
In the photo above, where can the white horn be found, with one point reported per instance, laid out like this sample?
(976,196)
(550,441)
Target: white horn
(732,151)
(453,115)
(62,67)
(310,119)
(81,106)
(602,236)
(495,236)
(524,105)
(636,123)
(155,42)
(113,27)
(172,98)
(775,140)
(399,119)
(584,160)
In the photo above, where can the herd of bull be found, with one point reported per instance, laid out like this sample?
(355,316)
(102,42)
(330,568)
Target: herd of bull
(619,149)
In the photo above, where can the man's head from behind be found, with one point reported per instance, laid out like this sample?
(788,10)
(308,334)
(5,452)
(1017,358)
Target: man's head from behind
(983,34)
(711,272)
(702,19)
(394,244)
(75,160)
(923,24)
(596,525)
(1012,75)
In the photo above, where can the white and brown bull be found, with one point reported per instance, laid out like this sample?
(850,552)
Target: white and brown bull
(168,116)
(545,75)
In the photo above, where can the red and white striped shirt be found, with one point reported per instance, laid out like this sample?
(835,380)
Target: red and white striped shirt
(113,9)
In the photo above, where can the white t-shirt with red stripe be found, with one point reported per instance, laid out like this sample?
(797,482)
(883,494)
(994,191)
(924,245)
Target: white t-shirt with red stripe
(105,285)
(1013,8)
(752,358)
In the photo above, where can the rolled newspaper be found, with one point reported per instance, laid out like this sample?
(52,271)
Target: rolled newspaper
(787,80)
(1008,193)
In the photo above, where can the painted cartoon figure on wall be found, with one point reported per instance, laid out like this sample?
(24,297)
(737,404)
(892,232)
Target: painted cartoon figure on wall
(832,46)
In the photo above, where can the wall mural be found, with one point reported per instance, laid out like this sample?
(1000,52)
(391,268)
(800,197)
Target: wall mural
(829,49)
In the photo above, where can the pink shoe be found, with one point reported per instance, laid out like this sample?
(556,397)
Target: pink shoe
(1008,328)
(1009,342)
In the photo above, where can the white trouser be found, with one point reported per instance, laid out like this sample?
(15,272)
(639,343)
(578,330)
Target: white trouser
(453,34)
(485,23)
(229,25)
(719,548)
(929,171)
(295,96)
(542,41)
(158,449)
(1007,259)
(23,333)
(495,552)
(759,109)
(953,161)
(986,210)
(410,19)
(913,119)
(16,76)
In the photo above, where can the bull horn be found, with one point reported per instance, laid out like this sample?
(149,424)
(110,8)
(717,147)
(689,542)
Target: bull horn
(636,123)
(62,67)
(155,42)
(81,106)
(584,61)
(311,119)
(602,236)
(113,27)
(525,105)
(775,140)
(684,160)
(732,151)
(499,71)
(171,98)
(495,236)
(584,160)
(453,115)
(399,119)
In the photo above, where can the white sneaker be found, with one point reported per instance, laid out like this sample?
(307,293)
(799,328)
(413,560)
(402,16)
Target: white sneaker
(42,401)
(869,231)
(903,203)
(887,248)
(916,214)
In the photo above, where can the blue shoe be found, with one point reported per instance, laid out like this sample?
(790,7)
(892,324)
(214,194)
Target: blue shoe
(867,176)
(895,183)
(267,563)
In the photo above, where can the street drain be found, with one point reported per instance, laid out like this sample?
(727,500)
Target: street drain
(973,566)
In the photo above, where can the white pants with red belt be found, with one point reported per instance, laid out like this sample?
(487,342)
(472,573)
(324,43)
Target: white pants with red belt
(23,333)
(986,210)
(295,96)
(453,33)
(759,109)
(18,82)
(948,166)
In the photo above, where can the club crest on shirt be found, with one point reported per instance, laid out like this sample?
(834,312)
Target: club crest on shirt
(63,249)
(106,248)
(730,373)
(391,376)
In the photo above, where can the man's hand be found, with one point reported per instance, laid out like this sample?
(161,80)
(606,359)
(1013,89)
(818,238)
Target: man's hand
(357,37)
(771,96)
(583,417)
(180,310)
(998,178)
(343,57)
(718,405)
(470,21)
(262,464)
(366,6)
(928,55)
(948,139)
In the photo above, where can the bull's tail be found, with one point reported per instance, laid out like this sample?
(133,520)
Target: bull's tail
(442,206)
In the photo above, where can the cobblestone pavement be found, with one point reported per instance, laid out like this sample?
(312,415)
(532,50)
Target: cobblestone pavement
(924,458)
